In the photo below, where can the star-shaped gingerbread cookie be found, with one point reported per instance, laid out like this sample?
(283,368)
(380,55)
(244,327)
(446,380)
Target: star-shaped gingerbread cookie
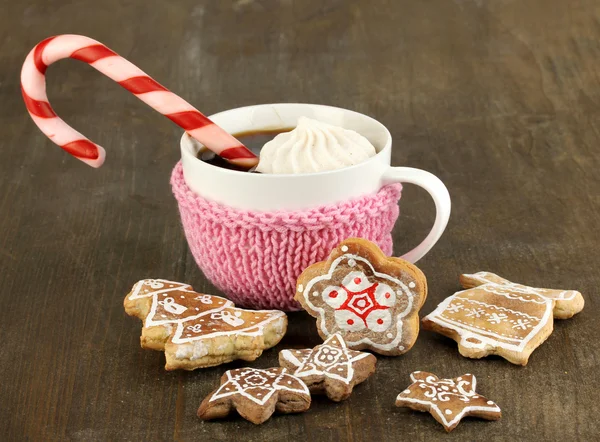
(448,400)
(496,316)
(329,368)
(371,300)
(256,394)
(196,330)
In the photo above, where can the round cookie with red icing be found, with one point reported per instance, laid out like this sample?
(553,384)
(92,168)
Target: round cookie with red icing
(370,299)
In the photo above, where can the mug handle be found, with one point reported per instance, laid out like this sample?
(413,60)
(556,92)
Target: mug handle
(441,198)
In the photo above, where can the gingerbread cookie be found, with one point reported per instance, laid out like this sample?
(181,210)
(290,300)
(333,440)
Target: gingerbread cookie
(448,400)
(256,394)
(567,303)
(329,368)
(197,330)
(496,316)
(371,300)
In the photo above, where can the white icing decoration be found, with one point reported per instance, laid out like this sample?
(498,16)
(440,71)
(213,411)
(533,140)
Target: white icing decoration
(157,288)
(204,299)
(403,291)
(351,263)
(385,295)
(379,320)
(196,328)
(155,284)
(268,381)
(171,306)
(331,359)
(475,313)
(334,296)
(487,277)
(344,249)
(521,324)
(356,281)
(434,393)
(474,335)
(348,321)
(228,318)
(496,318)
(412,285)
(274,318)
(300,288)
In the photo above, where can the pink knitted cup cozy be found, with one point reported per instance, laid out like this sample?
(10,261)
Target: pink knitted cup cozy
(255,258)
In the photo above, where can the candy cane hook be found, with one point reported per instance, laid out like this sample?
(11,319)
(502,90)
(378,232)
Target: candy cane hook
(129,76)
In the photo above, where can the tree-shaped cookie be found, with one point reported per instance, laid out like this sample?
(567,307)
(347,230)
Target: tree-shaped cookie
(256,394)
(496,316)
(448,400)
(371,300)
(196,330)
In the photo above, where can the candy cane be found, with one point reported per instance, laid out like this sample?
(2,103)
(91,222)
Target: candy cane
(33,87)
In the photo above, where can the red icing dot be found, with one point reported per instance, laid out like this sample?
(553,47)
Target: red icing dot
(350,321)
(357,280)
(387,295)
(380,321)
(333,294)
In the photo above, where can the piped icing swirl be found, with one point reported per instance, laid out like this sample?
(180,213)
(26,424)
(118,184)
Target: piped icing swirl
(314,146)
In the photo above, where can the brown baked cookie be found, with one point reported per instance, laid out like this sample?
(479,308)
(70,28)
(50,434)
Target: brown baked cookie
(256,394)
(197,330)
(371,300)
(496,316)
(448,400)
(567,303)
(330,368)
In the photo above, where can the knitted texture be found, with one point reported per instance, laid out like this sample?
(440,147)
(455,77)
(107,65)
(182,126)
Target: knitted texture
(255,258)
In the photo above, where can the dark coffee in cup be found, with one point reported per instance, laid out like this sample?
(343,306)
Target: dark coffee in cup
(253,140)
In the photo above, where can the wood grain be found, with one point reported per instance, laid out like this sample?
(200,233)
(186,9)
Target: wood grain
(500,99)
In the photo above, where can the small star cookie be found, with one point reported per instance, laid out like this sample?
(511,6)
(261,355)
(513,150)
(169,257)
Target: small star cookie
(329,368)
(496,316)
(256,394)
(371,300)
(197,330)
(448,400)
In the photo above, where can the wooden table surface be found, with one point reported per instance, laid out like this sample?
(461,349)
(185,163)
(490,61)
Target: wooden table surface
(500,99)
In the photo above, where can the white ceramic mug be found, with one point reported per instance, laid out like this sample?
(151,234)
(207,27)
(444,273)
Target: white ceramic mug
(263,192)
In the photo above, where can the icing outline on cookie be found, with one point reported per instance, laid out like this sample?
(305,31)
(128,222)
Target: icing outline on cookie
(321,311)
(307,368)
(440,395)
(163,287)
(278,378)
(484,278)
(485,337)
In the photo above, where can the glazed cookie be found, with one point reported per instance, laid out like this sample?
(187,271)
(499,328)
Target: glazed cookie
(256,394)
(496,316)
(197,330)
(329,368)
(448,400)
(371,300)
(567,303)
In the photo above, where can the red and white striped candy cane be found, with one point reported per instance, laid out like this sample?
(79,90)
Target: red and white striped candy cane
(33,86)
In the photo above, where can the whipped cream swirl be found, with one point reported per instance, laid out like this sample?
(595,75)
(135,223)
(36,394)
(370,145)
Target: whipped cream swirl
(314,146)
